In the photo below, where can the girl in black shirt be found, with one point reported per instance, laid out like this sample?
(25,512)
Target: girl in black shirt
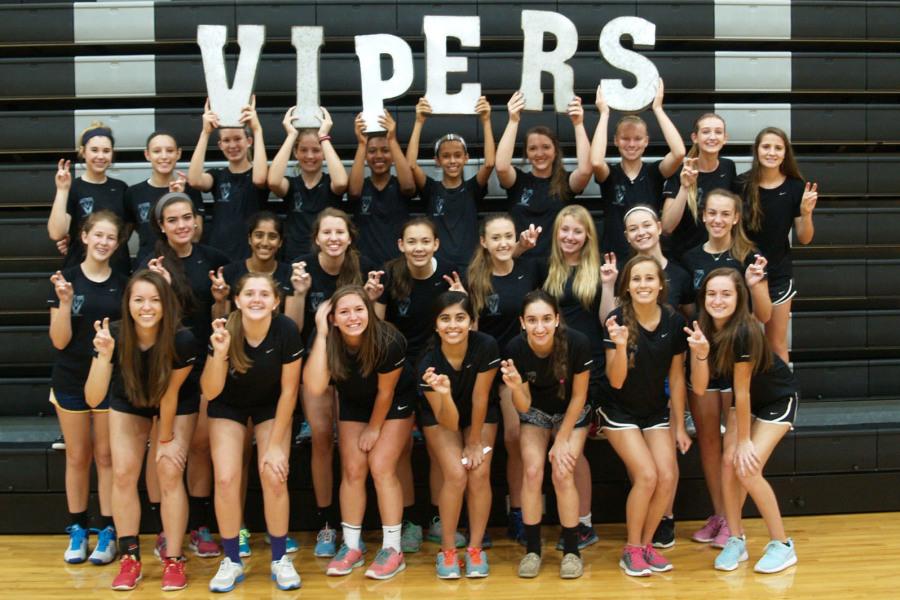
(81,295)
(536,197)
(144,369)
(93,191)
(548,370)
(264,235)
(776,201)
(312,190)
(460,415)
(765,408)
(452,203)
(645,343)
(253,373)
(364,358)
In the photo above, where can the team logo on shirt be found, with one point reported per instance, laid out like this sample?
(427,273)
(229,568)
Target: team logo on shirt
(315,299)
(298,202)
(77,303)
(493,304)
(525,198)
(365,204)
(620,195)
(403,307)
(143,211)
(531,376)
(438,207)
(224,192)
(698,278)
(86,204)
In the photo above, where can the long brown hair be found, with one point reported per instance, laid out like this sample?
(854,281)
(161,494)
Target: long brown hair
(237,356)
(741,246)
(694,152)
(629,318)
(482,267)
(401,280)
(559,178)
(742,324)
(376,338)
(172,261)
(788,168)
(559,356)
(587,272)
(145,384)
(349,273)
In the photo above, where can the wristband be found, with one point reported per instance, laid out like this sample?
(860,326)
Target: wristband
(702,359)
(324,138)
(167,441)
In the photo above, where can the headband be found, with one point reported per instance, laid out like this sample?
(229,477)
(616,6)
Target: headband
(97,132)
(641,207)
(170,198)
(450,137)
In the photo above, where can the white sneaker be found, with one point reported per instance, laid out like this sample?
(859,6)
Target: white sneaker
(105,550)
(284,575)
(76,552)
(228,575)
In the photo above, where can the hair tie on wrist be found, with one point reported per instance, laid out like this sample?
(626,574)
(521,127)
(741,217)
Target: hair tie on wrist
(324,138)
(167,441)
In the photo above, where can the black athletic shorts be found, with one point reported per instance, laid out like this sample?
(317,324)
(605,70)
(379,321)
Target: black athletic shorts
(258,414)
(783,411)
(401,408)
(426,417)
(614,417)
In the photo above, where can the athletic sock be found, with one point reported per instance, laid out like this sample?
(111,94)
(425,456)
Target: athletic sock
(80,518)
(570,540)
(586,520)
(351,535)
(326,516)
(533,538)
(155,518)
(391,537)
(105,522)
(279,545)
(196,512)
(231,546)
(130,544)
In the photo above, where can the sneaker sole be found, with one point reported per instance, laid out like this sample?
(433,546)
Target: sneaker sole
(340,572)
(571,575)
(789,563)
(449,576)
(326,554)
(244,554)
(665,569)
(373,575)
(664,545)
(229,588)
(644,573)
(701,540)
(203,554)
(75,561)
(718,545)
(172,588)
(730,568)
(125,588)
(476,575)
(101,562)
(284,588)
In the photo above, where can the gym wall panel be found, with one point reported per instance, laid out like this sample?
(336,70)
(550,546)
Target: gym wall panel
(828,20)
(744,121)
(113,22)
(829,330)
(883,123)
(278,17)
(830,72)
(840,227)
(883,20)
(38,130)
(830,278)
(690,19)
(883,225)
(29,78)
(832,380)
(884,378)
(177,21)
(122,76)
(882,278)
(882,327)
(40,24)
(411,12)
(742,20)
(347,18)
(753,71)
(501,18)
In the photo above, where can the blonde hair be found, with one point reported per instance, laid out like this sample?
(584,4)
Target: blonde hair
(694,152)
(741,246)
(587,271)
(237,355)
(481,267)
(103,129)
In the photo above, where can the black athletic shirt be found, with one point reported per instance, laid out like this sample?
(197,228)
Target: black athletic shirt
(235,201)
(140,204)
(282,275)
(379,215)
(361,391)
(538,372)
(186,354)
(698,262)
(91,301)
(681,290)
(689,233)
(530,202)
(455,212)
(643,394)
(585,320)
(302,205)
(780,207)
(482,354)
(322,287)
(197,266)
(619,193)
(261,384)
(86,198)
(413,315)
(500,316)
(766,387)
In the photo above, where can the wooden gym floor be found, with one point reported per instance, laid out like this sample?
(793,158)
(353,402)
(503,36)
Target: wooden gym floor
(841,557)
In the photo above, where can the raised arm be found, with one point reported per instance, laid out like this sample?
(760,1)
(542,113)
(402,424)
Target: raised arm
(60,219)
(212,380)
(617,358)
(804,223)
(423,109)
(581,176)
(483,108)
(598,144)
(755,277)
(358,171)
(197,177)
(673,207)
(260,162)
(506,173)
(316,375)
(676,153)
(404,172)
(336,169)
(278,183)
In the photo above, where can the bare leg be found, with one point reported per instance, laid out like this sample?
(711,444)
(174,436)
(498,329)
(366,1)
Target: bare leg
(174,503)
(478,490)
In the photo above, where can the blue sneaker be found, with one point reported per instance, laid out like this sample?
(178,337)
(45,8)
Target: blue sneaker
(105,550)
(305,433)
(435,532)
(732,555)
(777,557)
(290,544)
(447,564)
(78,542)
(326,542)
(244,543)
(476,563)
(515,528)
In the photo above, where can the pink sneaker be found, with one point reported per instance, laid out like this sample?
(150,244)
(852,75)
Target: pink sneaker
(633,562)
(388,562)
(129,574)
(173,577)
(203,544)
(658,563)
(345,561)
(722,536)
(708,532)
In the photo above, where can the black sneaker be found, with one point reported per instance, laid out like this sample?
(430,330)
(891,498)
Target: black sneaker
(59,443)
(664,537)
(515,528)
(586,537)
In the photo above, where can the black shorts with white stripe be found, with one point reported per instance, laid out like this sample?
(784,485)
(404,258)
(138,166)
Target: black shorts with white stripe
(780,412)
(615,417)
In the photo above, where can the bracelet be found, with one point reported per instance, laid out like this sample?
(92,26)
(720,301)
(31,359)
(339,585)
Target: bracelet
(702,359)
(167,441)
(324,138)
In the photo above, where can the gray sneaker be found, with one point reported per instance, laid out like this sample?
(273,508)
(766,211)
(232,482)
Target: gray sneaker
(410,537)
(434,534)
(571,567)
(530,565)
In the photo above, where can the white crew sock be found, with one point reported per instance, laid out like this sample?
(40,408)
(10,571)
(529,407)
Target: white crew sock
(351,535)
(391,536)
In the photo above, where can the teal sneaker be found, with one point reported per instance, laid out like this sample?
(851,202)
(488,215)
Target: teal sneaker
(777,557)
(326,542)
(447,564)
(290,544)
(410,537)
(434,534)
(476,563)
(244,542)
(732,555)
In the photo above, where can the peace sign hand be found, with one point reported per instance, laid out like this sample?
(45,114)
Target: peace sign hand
(576,111)
(697,342)
(510,374)
(528,239)
(608,270)
(210,119)
(156,265)
(455,283)
(104,343)
(220,339)
(438,383)
(63,175)
(689,172)
(178,184)
(374,287)
(300,279)
(810,197)
(220,289)
(756,272)
(63,288)
(515,106)
(617,333)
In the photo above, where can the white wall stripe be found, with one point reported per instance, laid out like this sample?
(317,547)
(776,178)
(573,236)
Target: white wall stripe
(131,126)
(745,120)
(114,22)
(753,19)
(753,71)
(104,76)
